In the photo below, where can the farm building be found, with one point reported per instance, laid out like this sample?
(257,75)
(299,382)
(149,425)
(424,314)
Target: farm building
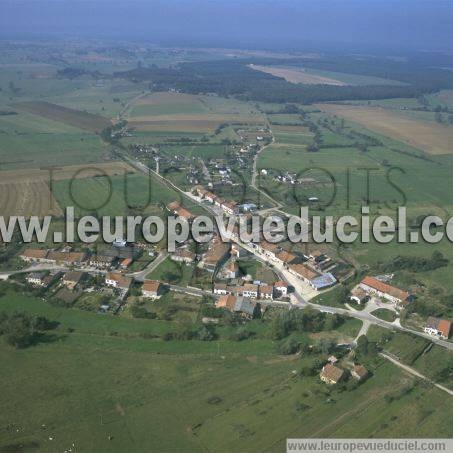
(286,257)
(117,280)
(179,211)
(182,255)
(231,270)
(303,272)
(359,295)
(101,261)
(68,258)
(323,282)
(34,255)
(218,252)
(237,304)
(250,290)
(266,292)
(227,301)
(36,278)
(438,328)
(41,279)
(281,288)
(330,374)
(230,207)
(374,286)
(151,289)
(359,372)
(125,263)
(72,279)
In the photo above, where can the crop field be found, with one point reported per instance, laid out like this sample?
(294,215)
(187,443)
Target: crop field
(31,141)
(104,388)
(158,137)
(32,198)
(177,112)
(117,195)
(72,117)
(168,104)
(181,124)
(107,100)
(27,192)
(294,135)
(429,137)
(297,75)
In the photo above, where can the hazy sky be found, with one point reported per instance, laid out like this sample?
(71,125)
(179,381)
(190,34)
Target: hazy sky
(416,24)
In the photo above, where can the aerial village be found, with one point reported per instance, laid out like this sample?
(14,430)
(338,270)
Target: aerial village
(224,272)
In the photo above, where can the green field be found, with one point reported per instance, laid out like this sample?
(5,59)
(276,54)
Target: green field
(179,274)
(114,196)
(32,141)
(385,314)
(110,392)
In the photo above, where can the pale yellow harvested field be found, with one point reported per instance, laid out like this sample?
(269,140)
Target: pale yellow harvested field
(27,192)
(32,198)
(297,75)
(430,137)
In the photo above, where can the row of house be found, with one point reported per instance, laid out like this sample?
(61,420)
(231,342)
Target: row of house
(178,210)
(70,280)
(253,291)
(371,286)
(244,306)
(229,207)
(218,253)
(183,255)
(124,257)
(151,289)
(63,257)
(298,265)
(42,279)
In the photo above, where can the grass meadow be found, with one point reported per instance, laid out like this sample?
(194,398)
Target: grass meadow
(100,385)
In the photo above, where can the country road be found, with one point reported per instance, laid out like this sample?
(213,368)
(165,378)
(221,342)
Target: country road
(140,276)
(255,174)
(415,373)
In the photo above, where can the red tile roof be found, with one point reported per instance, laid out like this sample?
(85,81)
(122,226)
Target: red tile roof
(228,302)
(332,373)
(281,284)
(286,257)
(266,289)
(34,253)
(385,288)
(122,281)
(303,271)
(444,327)
(151,286)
